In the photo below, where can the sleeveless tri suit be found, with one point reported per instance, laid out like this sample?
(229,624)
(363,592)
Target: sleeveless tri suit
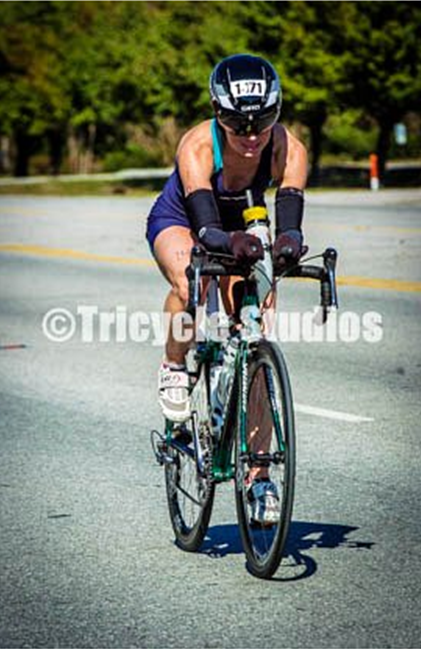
(169,208)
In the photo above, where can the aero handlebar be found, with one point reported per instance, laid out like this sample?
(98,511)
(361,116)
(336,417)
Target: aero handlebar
(207,264)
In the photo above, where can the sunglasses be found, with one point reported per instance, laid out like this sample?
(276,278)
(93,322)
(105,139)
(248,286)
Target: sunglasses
(243,126)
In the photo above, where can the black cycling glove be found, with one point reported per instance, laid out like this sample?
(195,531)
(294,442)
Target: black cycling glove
(246,247)
(288,248)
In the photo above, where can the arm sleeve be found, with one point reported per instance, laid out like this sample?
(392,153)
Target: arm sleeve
(289,209)
(204,217)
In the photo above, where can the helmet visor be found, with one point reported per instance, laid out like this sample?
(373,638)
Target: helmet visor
(249,124)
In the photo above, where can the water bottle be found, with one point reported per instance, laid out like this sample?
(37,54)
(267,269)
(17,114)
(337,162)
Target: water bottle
(222,376)
(257,223)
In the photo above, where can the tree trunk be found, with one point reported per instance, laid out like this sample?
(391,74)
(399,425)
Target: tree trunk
(5,162)
(90,154)
(73,147)
(56,148)
(23,143)
(316,138)
(383,144)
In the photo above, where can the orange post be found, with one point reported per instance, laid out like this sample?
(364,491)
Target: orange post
(374,171)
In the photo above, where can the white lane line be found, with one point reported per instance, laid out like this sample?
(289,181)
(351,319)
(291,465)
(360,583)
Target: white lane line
(330,414)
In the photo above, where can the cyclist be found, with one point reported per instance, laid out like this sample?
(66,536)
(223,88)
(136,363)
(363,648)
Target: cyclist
(242,147)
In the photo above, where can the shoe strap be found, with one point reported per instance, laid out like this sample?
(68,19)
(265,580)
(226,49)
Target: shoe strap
(172,378)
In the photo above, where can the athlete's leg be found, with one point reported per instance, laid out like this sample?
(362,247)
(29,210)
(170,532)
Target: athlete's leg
(227,285)
(172,250)
(259,419)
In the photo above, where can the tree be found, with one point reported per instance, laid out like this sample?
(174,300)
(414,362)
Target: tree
(97,49)
(301,40)
(90,74)
(32,83)
(313,66)
(383,45)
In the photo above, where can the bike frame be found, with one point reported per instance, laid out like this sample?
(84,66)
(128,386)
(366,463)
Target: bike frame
(223,468)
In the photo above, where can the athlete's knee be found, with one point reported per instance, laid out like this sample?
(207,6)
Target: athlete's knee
(180,288)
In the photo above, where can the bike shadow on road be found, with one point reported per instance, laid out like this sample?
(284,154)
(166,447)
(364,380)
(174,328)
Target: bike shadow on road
(303,538)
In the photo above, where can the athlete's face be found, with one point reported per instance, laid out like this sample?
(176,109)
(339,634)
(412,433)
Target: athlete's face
(248,146)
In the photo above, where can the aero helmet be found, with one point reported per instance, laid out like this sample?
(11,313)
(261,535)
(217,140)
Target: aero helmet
(246,93)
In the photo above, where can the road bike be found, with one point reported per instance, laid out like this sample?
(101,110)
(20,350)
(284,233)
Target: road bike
(242,422)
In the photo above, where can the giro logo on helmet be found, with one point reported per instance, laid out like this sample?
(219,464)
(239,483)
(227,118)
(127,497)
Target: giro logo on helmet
(249,109)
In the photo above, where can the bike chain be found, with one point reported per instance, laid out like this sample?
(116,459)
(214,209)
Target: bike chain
(207,448)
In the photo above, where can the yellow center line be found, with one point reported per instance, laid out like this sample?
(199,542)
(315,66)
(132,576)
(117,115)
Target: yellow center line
(312,224)
(375,229)
(44,251)
(378,283)
(21,211)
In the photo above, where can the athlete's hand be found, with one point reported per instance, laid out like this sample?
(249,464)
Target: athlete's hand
(246,247)
(288,248)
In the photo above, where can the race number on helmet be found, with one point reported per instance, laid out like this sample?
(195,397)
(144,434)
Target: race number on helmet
(246,93)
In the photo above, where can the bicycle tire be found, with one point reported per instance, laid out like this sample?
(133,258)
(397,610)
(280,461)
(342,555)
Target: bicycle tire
(264,546)
(189,494)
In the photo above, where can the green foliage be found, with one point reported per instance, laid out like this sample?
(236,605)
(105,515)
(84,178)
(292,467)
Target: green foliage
(131,157)
(88,70)
(384,72)
(33,82)
(346,136)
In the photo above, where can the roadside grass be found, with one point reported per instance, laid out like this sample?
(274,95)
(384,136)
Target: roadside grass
(76,188)
(103,188)
(332,179)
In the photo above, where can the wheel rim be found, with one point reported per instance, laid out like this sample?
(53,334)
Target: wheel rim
(190,493)
(187,490)
(265,438)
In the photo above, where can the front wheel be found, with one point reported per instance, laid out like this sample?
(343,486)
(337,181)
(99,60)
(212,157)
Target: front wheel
(265,459)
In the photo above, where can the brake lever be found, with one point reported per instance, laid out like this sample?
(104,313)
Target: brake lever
(330,257)
(193,275)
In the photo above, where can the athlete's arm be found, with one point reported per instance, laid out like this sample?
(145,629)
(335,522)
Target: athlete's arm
(291,175)
(290,160)
(195,165)
(195,159)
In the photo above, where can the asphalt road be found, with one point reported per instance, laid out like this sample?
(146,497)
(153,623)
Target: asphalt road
(87,557)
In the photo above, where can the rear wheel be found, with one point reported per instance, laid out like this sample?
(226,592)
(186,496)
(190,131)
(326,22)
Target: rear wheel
(190,491)
(265,458)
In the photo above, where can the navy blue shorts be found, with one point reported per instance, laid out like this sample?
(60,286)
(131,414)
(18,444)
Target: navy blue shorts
(168,210)
(157,224)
